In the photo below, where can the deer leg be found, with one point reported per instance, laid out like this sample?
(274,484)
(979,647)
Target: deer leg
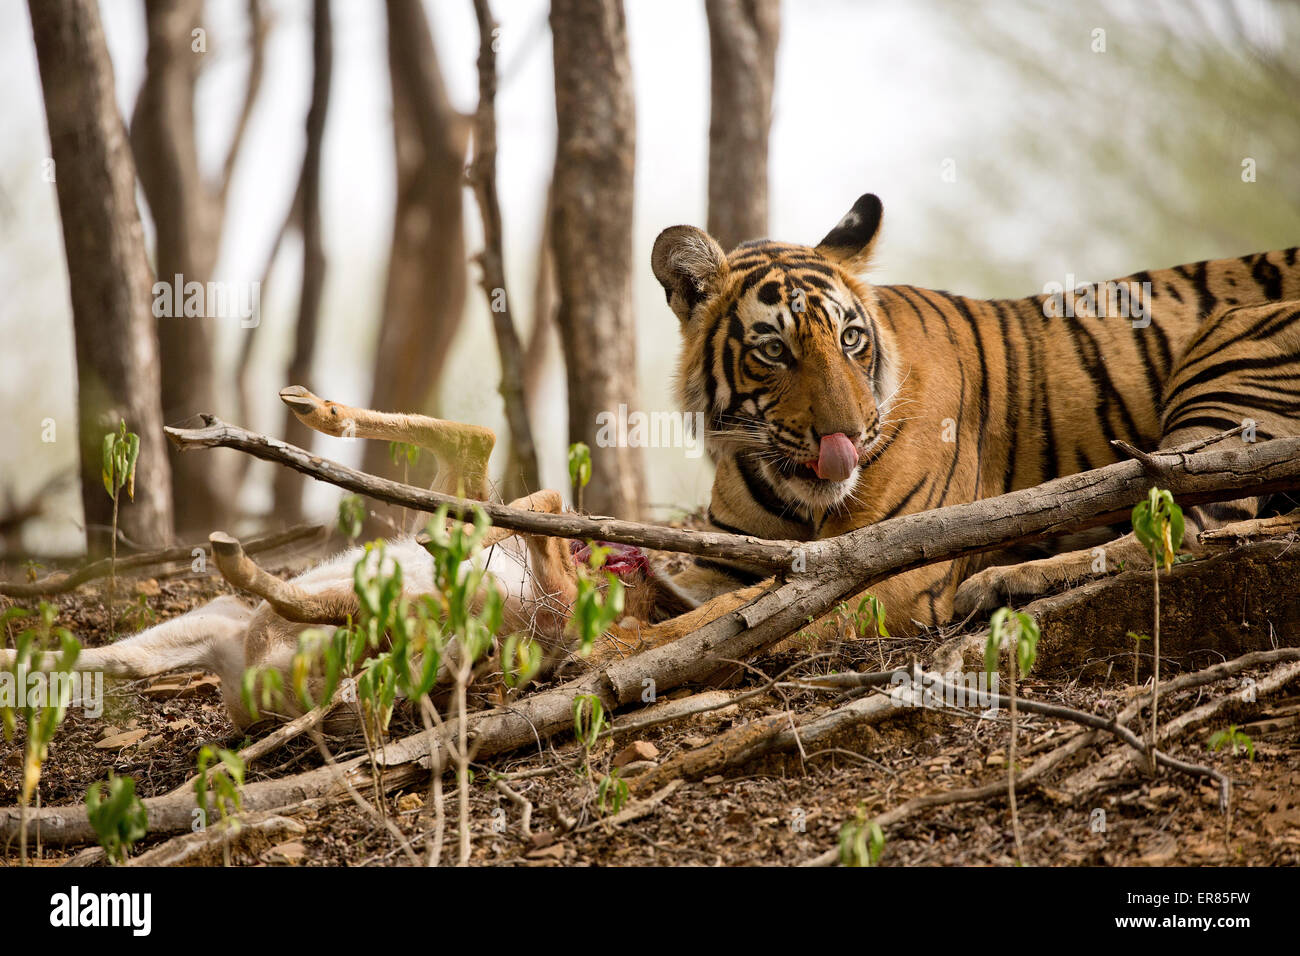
(287,599)
(461,450)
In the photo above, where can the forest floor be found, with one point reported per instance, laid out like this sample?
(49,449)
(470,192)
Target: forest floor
(779,810)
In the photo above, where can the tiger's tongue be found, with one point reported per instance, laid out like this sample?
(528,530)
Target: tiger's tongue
(838,458)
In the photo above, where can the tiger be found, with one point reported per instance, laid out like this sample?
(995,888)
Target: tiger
(832,403)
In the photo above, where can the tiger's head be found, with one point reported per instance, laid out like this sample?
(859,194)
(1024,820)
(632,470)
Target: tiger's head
(783,353)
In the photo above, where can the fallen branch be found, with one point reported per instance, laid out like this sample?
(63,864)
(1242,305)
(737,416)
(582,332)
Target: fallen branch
(1054,758)
(64,582)
(836,568)
(275,740)
(1081,785)
(208,432)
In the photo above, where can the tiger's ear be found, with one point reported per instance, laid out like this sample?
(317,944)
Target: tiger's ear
(851,241)
(690,265)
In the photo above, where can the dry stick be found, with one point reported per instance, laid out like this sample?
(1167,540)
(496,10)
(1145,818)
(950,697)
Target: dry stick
(993,790)
(989,791)
(62,583)
(483,177)
(525,807)
(206,431)
(1086,781)
(1061,506)
(836,567)
(276,739)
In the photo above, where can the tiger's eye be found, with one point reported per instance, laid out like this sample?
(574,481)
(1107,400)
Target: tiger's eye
(851,338)
(773,349)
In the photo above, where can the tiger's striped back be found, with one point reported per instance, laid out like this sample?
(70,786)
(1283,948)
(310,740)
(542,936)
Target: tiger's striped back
(945,398)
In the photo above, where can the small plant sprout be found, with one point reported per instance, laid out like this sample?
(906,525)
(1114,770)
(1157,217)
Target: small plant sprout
(1158,526)
(1018,632)
(594,611)
(44,706)
(579,469)
(117,815)
(409,455)
(351,516)
(1234,739)
(226,781)
(1137,640)
(121,452)
(521,659)
(612,793)
(589,722)
(862,842)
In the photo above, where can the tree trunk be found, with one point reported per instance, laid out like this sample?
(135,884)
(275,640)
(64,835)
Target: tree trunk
(742,51)
(424,299)
(541,347)
(483,177)
(287,490)
(108,272)
(186,218)
(592,232)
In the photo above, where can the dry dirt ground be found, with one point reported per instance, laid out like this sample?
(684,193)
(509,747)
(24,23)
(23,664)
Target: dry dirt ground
(780,810)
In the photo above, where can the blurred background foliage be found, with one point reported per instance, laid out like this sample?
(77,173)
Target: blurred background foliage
(1010,150)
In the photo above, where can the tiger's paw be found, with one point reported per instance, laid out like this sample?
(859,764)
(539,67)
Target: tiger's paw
(1003,585)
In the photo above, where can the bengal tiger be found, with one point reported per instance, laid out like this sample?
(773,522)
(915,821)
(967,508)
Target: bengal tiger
(832,403)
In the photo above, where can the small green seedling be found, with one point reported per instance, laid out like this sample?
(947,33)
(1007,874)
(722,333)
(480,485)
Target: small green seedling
(44,706)
(351,516)
(594,611)
(1158,526)
(121,452)
(1019,633)
(1137,640)
(117,815)
(579,469)
(1233,738)
(612,793)
(862,842)
(226,781)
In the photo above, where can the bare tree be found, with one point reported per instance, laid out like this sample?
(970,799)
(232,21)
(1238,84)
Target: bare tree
(424,299)
(188,213)
(742,51)
(483,176)
(542,339)
(108,272)
(287,487)
(592,231)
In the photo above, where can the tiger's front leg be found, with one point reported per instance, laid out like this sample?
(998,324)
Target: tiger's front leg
(1013,584)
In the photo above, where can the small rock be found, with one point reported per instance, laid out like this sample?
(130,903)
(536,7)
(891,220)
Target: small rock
(554,852)
(636,767)
(409,802)
(695,743)
(118,741)
(291,852)
(148,587)
(636,750)
(996,760)
(716,778)
(149,743)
